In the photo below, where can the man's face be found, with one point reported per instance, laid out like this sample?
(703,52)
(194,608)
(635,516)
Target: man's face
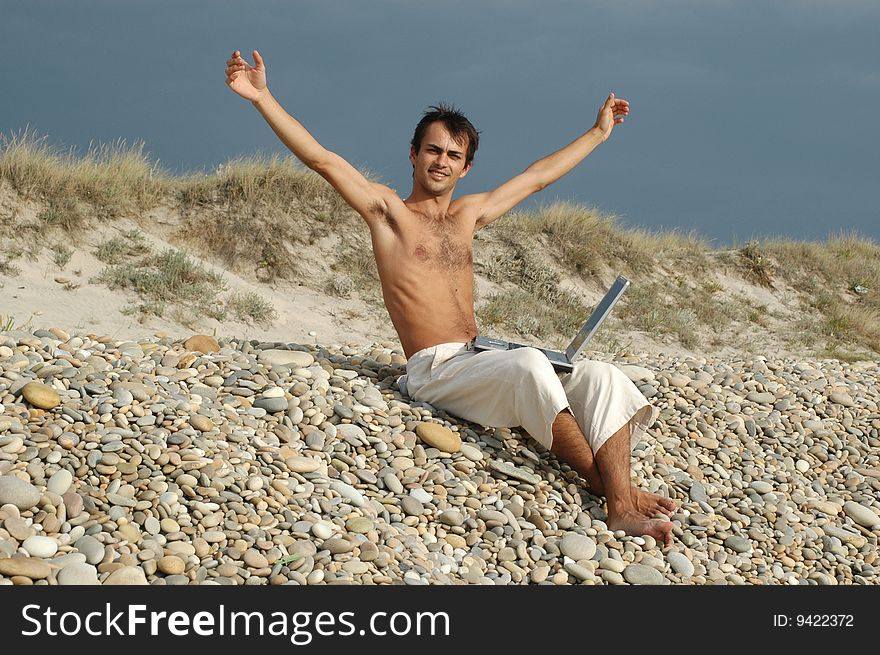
(439,163)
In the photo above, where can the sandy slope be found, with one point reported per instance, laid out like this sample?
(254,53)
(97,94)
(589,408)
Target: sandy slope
(41,294)
(44,295)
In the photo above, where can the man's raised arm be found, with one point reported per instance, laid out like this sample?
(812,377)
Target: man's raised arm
(492,205)
(365,197)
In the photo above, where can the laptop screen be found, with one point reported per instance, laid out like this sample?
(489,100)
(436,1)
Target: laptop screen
(599,314)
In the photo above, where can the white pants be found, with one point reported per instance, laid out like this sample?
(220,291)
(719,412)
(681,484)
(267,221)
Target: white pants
(512,388)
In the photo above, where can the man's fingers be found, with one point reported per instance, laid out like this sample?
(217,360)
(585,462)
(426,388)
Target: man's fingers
(231,77)
(239,63)
(235,64)
(236,58)
(258,59)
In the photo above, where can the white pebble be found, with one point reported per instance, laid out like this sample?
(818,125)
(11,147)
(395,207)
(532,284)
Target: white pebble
(322,530)
(38,546)
(60,482)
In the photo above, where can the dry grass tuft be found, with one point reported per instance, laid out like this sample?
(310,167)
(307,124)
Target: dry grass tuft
(538,305)
(588,240)
(355,271)
(105,182)
(169,277)
(251,307)
(6,266)
(756,265)
(840,280)
(527,315)
(61,254)
(256,212)
(123,247)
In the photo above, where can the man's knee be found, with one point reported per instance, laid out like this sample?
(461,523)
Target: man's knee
(532,360)
(593,366)
(598,372)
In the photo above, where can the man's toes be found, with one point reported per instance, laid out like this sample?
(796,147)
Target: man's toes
(658,505)
(662,531)
(662,505)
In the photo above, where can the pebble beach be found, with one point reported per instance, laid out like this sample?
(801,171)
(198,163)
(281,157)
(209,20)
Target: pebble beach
(234,462)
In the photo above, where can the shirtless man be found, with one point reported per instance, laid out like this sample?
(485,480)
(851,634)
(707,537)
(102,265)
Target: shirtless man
(422,247)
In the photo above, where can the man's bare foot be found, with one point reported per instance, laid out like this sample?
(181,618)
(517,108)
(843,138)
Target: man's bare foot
(636,525)
(648,504)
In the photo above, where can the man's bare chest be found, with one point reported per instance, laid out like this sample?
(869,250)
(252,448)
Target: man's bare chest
(439,245)
(443,253)
(443,244)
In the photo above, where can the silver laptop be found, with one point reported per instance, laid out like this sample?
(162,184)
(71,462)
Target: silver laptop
(563,362)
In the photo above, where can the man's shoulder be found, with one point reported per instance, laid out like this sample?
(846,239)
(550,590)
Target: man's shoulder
(468,205)
(470,208)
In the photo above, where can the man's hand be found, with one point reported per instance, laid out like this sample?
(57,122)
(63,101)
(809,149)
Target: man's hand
(610,114)
(247,81)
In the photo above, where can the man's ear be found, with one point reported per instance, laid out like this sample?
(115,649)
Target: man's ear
(412,156)
(465,171)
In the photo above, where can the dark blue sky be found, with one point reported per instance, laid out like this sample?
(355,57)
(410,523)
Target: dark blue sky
(748,119)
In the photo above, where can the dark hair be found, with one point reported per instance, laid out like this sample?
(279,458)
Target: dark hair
(455,122)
